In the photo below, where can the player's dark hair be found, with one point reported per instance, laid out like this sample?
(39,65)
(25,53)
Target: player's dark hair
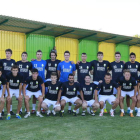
(54,74)
(87,75)
(54,53)
(14,67)
(8,50)
(66,52)
(70,75)
(118,53)
(84,54)
(38,51)
(126,70)
(99,53)
(107,74)
(34,70)
(1,69)
(132,54)
(24,53)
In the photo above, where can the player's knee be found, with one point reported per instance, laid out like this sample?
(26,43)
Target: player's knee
(57,108)
(138,98)
(84,105)
(63,103)
(8,99)
(134,99)
(44,106)
(121,98)
(101,103)
(96,106)
(2,101)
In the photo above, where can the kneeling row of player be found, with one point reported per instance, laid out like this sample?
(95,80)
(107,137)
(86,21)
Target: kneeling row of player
(59,94)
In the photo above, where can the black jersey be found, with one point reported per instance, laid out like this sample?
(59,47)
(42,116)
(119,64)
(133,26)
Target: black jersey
(2,81)
(100,69)
(24,68)
(117,70)
(70,91)
(51,66)
(34,85)
(88,91)
(127,85)
(6,66)
(82,70)
(133,67)
(53,90)
(107,89)
(14,81)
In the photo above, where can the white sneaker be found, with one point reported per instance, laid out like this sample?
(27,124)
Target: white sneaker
(48,113)
(77,111)
(53,112)
(101,114)
(112,114)
(39,115)
(27,115)
(138,114)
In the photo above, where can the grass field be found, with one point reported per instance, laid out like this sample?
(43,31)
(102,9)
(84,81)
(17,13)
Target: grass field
(70,127)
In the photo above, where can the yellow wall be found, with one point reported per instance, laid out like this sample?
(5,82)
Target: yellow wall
(63,44)
(13,40)
(108,49)
(136,50)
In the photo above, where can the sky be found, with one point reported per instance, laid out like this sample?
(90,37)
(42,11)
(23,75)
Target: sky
(112,16)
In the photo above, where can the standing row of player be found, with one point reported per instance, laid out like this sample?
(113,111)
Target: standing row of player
(63,69)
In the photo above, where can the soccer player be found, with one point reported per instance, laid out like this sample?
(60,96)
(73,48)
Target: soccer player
(40,65)
(2,92)
(24,67)
(64,69)
(128,87)
(117,69)
(33,88)
(133,66)
(106,94)
(6,65)
(52,64)
(100,69)
(69,94)
(83,68)
(88,92)
(14,87)
(52,95)
(138,98)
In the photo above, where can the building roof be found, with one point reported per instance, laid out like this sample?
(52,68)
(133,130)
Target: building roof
(35,27)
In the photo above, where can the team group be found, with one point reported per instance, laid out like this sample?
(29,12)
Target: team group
(60,87)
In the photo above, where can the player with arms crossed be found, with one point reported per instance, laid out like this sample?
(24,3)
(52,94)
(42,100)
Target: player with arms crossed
(88,92)
(129,88)
(14,87)
(33,88)
(69,94)
(106,94)
(52,95)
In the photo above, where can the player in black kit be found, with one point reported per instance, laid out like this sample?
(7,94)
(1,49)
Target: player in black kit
(33,88)
(6,65)
(53,88)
